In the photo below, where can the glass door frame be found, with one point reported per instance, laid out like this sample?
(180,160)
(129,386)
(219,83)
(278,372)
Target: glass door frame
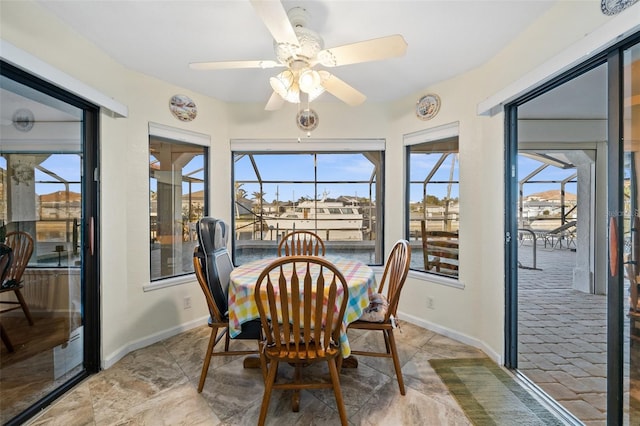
(90,284)
(615,283)
(615,209)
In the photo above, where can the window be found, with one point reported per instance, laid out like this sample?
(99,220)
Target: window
(433,205)
(337,195)
(177,200)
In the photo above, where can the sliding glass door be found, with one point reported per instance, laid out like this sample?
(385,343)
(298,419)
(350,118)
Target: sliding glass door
(573,317)
(625,230)
(47,220)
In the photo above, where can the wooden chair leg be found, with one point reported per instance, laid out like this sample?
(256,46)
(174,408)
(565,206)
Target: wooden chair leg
(396,360)
(386,342)
(263,362)
(5,338)
(268,387)
(227,339)
(295,398)
(207,358)
(25,307)
(335,380)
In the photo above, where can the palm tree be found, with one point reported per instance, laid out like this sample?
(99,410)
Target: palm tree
(240,192)
(258,196)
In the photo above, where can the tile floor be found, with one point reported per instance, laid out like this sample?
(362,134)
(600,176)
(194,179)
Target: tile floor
(566,363)
(157,386)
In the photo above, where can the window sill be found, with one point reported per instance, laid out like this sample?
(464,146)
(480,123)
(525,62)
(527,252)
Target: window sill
(169,282)
(436,279)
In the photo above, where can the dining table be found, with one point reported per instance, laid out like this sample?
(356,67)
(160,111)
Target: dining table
(361,283)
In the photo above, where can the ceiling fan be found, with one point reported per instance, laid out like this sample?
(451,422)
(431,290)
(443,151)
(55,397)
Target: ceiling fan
(300,49)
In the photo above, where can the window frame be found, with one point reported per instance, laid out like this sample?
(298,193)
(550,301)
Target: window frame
(318,146)
(179,137)
(435,135)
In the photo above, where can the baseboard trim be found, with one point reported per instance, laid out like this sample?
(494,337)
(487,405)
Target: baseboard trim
(463,338)
(117,355)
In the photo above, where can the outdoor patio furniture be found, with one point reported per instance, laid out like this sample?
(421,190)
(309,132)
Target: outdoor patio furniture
(556,236)
(440,250)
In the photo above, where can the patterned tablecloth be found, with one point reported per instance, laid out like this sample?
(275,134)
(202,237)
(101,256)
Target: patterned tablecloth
(360,278)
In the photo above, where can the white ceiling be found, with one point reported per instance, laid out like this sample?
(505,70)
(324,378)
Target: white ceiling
(160,38)
(584,97)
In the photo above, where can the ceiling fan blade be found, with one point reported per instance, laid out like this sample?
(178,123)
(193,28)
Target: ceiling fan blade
(341,90)
(275,18)
(275,102)
(227,65)
(364,51)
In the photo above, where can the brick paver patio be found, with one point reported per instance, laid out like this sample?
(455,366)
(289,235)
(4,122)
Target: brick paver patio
(562,334)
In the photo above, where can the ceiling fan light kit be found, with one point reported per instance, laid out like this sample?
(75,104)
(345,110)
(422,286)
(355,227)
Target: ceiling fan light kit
(290,82)
(309,81)
(299,49)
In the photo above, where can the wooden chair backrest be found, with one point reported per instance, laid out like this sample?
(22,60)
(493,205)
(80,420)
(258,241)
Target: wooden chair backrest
(295,294)
(301,243)
(6,259)
(395,274)
(22,245)
(440,250)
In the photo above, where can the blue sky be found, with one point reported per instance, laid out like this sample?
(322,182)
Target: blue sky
(66,166)
(300,167)
(192,169)
(527,165)
(331,167)
(357,167)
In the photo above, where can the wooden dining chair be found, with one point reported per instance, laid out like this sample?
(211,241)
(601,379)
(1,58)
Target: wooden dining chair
(6,259)
(212,266)
(440,250)
(21,244)
(302,301)
(298,243)
(382,314)
(632,274)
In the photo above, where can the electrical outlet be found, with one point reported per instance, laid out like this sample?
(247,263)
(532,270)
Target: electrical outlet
(187,302)
(430,303)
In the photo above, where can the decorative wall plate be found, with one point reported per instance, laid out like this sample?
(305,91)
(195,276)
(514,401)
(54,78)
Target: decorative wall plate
(612,7)
(428,106)
(307,120)
(183,108)
(23,119)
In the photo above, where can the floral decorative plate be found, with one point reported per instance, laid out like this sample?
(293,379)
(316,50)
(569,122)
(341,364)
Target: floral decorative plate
(428,106)
(183,108)
(612,7)
(307,120)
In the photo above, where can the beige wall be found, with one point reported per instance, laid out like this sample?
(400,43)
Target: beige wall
(132,318)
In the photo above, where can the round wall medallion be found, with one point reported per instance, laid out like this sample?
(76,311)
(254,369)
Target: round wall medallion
(183,108)
(428,106)
(307,120)
(613,7)
(23,119)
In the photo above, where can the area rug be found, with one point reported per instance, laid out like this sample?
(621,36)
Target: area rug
(489,395)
